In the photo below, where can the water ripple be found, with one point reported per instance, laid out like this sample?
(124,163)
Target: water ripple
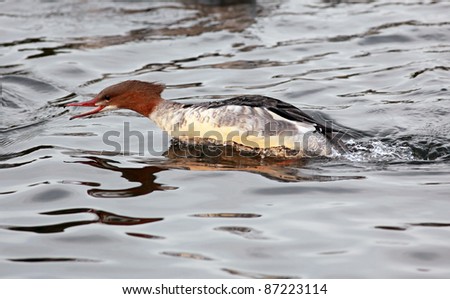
(227,215)
(188,255)
(102,217)
(245,232)
(53,260)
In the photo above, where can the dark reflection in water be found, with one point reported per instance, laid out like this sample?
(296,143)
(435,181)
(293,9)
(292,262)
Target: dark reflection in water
(25,152)
(410,225)
(144,236)
(225,158)
(208,16)
(145,176)
(198,158)
(51,259)
(179,156)
(102,217)
(389,227)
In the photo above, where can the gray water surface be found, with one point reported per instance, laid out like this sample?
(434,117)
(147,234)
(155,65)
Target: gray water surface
(75,206)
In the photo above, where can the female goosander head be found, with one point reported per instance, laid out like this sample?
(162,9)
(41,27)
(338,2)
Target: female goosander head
(139,96)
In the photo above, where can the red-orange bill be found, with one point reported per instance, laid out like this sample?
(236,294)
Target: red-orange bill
(90,103)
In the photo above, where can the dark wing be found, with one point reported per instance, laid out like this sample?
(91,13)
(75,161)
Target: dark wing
(281,108)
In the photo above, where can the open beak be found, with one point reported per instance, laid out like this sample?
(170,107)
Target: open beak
(92,103)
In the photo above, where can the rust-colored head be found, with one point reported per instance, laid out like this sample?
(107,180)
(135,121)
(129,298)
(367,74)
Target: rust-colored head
(139,96)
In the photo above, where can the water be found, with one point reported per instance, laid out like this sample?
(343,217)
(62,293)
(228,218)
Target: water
(73,205)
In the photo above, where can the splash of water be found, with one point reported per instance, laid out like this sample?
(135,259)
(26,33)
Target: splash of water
(376,151)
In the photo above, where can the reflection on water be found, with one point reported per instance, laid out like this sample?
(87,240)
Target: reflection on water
(145,176)
(412,225)
(179,156)
(192,18)
(197,158)
(102,217)
(52,260)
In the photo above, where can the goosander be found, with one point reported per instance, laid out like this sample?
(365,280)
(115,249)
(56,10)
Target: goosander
(249,122)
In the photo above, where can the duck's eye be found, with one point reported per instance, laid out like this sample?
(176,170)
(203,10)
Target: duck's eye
(107,98)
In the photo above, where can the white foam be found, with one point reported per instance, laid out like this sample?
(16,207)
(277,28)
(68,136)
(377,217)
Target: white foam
(376,150)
